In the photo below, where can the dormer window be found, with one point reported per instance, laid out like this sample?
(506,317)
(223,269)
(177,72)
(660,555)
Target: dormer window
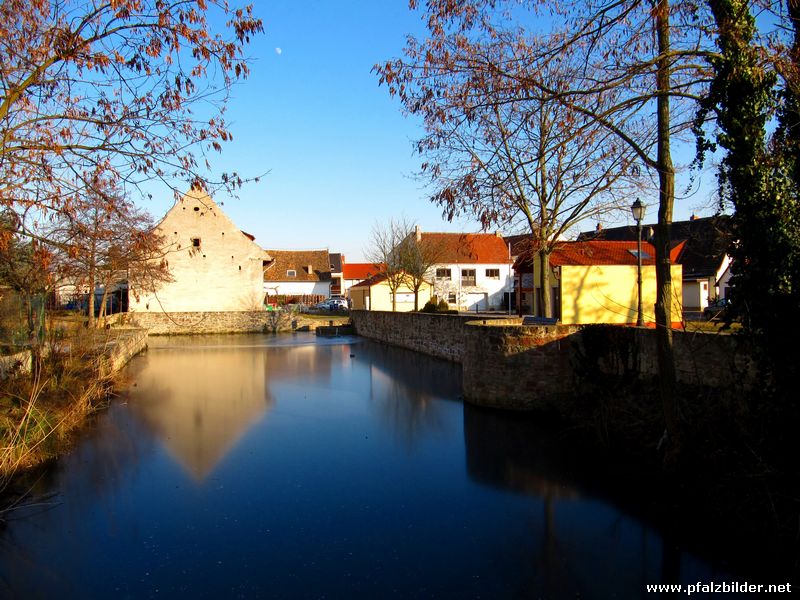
(291,273)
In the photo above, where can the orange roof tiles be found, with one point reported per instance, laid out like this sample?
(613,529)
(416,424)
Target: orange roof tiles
(360,271)
(602,253)
(469,248)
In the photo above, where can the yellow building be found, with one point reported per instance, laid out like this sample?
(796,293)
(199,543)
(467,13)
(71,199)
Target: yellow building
(374,294)
(595,282)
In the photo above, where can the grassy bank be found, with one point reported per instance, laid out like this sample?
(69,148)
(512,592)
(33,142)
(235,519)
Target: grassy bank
(40,409)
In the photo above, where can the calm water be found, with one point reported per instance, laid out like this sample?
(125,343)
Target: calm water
(283,467)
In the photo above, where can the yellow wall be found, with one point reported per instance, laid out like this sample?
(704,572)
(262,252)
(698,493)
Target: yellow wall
(378,297)
(607,294)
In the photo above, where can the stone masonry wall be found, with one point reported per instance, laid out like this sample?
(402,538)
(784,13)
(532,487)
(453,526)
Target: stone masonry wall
(439,335)
(222,322)
(701,359)
(508,365)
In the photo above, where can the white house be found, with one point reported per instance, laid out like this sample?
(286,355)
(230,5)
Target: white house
(298,275)
(214,265)
(472,270)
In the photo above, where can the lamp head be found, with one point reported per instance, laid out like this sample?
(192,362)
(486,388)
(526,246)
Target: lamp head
(637,210)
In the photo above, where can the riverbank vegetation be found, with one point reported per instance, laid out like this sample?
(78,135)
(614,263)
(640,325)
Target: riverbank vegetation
(42,404)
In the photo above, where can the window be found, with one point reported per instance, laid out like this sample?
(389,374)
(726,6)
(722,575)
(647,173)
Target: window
(492,273)
(645,255)
(467,276)
(451,298)
(196,242)
(291,273)
(443,274)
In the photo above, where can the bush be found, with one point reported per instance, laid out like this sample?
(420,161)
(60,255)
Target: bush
(443,306)
(430,306)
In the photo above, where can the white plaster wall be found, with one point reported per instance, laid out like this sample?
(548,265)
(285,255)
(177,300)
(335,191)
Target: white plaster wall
(297,288)
(484,291)
(224,274)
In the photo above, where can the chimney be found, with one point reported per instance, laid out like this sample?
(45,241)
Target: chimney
(599,227)
(418,233)
(310,269)
(693,217)
(498,234)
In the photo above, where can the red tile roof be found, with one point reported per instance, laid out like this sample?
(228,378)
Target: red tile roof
(469,248)
(360,271)
(602,253)
(369,282)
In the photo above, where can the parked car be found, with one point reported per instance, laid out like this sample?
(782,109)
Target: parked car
(716,310)
(337,304)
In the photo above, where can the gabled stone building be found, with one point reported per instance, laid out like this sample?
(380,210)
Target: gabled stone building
(214,265)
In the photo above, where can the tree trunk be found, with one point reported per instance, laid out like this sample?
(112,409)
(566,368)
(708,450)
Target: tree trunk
(666,179)
(90,300)
(544,281)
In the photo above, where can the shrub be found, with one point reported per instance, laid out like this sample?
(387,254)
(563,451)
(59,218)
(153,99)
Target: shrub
(443,306)
(430,306)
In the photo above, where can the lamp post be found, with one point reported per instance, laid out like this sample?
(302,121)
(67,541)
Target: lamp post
(637,210)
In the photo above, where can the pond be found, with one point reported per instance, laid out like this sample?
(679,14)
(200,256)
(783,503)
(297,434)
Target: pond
(291,466)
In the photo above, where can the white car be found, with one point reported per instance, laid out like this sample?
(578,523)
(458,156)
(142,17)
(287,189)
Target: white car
(337,304)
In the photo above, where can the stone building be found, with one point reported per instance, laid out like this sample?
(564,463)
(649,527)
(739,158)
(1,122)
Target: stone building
(214,265)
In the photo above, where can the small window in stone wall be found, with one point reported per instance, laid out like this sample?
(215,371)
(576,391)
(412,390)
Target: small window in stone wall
(196,242)
(451,298)
(291,273)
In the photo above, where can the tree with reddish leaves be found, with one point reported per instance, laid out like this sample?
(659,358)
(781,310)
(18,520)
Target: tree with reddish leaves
(639,74)
(505,158)
(108,243)
(129,90)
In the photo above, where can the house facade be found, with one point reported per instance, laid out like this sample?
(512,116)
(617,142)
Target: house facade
(213,264)
(596,282)
(375,294)
(704,258)
(472,271)
(297,275)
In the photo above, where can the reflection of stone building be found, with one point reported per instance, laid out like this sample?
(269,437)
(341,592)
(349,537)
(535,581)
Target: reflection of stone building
(204,403)
(204,393)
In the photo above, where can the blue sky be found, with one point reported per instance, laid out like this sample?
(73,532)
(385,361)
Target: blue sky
(336,148)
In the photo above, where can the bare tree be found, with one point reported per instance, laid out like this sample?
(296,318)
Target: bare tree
(418,256)
(646,56)
(384,252)
(501,156)
(106,243)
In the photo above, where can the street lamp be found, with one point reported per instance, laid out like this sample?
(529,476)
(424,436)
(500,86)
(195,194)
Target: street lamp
(637,210)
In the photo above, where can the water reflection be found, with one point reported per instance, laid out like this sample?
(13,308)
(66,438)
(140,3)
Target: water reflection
(199,402)
(515,452)
(200,396)
(405,386)
(260,466)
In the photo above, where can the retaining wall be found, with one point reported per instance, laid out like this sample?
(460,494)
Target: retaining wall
(439,335)
(510,365)
(223,322)
(117,352)
(507,365)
